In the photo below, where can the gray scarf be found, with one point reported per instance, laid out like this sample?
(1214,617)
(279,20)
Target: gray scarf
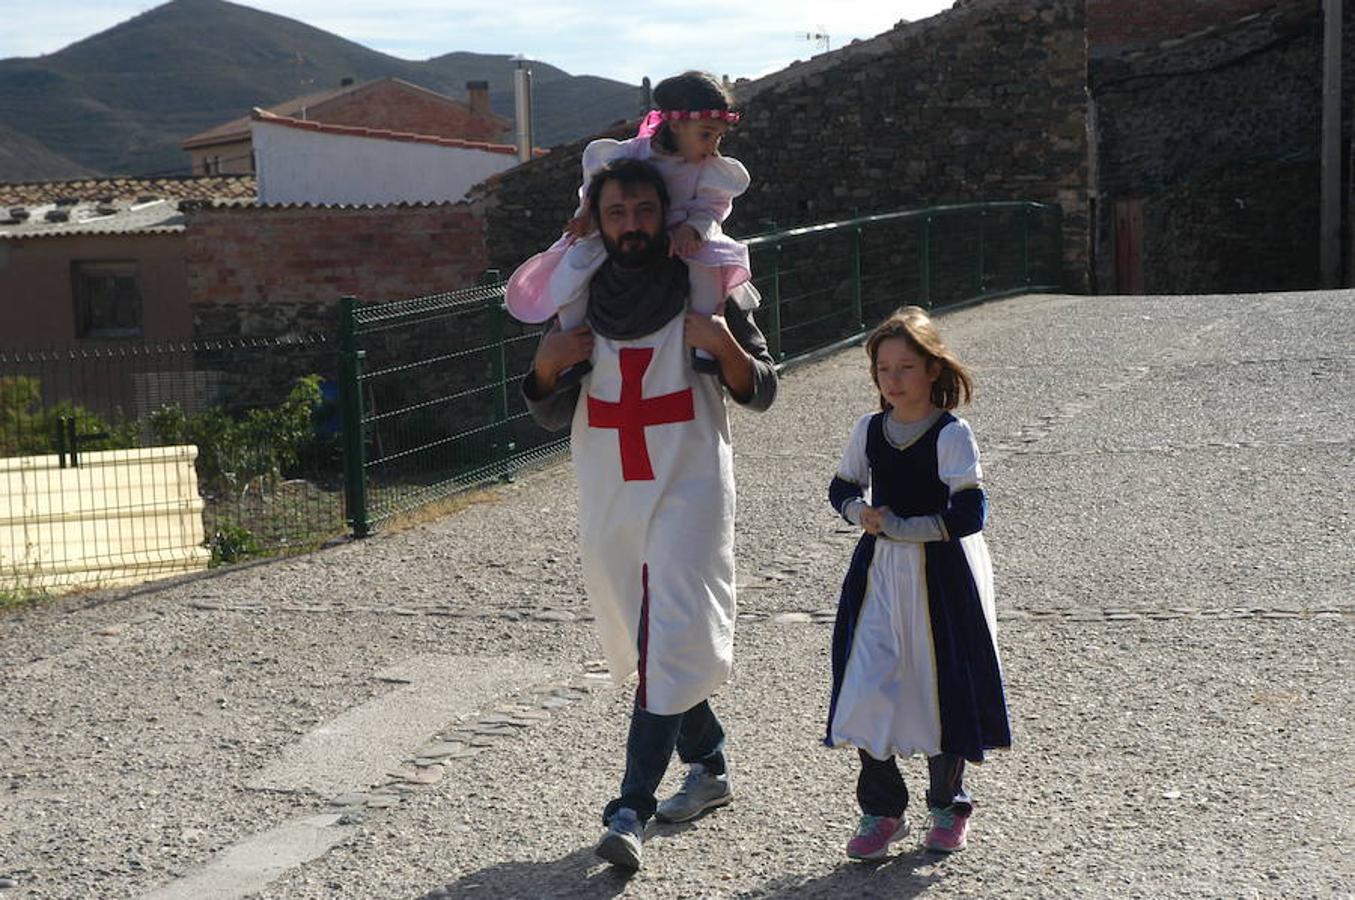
(629,303)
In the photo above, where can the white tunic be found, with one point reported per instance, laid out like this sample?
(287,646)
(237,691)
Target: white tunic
(652,450)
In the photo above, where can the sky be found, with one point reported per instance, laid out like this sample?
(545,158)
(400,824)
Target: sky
(624,41)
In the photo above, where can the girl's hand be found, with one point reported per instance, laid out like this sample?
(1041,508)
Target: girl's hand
(558,351)
(684,241)
(873,517)
(709,333)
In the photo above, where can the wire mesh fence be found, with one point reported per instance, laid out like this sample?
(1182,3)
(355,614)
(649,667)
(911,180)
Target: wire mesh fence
(130,460)
(433,381)
(822,284)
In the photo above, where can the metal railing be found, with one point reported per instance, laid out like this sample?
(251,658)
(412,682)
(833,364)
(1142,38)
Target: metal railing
(432,382)
(824,284)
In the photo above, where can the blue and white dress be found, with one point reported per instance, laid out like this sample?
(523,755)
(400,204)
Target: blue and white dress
(915,659)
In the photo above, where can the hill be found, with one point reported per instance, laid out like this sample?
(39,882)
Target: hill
(122,100)
(24,159)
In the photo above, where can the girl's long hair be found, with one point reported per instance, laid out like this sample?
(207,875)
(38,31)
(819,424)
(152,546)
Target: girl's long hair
(953,386)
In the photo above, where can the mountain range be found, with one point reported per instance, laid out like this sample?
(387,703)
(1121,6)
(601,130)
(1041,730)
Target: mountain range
(122,101)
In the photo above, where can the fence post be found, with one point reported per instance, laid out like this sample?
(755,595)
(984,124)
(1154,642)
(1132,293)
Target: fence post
(350,408)
(924,264)
(978,273)
(774,318)
(856,279)
(61,441)
(1025,246)
(503,449)
(1058,247)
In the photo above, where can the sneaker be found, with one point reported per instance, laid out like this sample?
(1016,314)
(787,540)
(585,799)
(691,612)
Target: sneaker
(874,834)
(948,830)
(620,846)
(700,791)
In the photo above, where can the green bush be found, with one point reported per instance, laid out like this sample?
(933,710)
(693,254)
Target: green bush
(232,543)
(234,452)
(28,429)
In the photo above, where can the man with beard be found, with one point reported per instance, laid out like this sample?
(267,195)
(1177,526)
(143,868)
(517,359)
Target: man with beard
(651,447)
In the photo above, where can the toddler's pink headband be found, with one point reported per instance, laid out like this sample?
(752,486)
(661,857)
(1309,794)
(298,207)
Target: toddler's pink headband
(657,117)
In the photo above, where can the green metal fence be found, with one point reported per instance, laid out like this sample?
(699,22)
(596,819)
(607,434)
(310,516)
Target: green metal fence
(825,284)
(126,460)
(432,382)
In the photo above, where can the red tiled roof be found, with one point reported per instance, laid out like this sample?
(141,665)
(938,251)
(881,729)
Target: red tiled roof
(238,129)
(186,187)
(384,134)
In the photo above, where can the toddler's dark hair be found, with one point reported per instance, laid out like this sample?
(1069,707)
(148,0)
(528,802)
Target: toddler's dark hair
(689,91)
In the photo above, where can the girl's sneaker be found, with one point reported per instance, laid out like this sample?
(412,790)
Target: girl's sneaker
(874,834)
(948,831)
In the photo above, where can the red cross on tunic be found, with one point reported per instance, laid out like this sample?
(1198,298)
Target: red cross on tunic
(635,412)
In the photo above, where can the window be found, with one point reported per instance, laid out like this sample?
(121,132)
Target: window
(107,299)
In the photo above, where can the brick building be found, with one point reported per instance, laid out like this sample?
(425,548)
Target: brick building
(315,162)
(268,270)
(98,259)
(387,103)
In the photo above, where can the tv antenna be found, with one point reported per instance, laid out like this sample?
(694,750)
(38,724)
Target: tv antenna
(820,38)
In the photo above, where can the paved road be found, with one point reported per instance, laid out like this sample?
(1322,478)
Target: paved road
(422,713)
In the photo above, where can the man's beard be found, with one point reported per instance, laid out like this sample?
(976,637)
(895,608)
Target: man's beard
(635,249)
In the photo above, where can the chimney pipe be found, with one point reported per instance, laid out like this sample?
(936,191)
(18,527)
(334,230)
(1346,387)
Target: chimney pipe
(477,97)
(522,95)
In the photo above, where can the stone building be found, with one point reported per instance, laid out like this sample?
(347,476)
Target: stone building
(1205,122)
(1180,137)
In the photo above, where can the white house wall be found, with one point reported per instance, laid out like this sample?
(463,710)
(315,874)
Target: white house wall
(301,166)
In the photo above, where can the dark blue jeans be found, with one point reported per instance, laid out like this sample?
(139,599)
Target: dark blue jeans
(697,736)
(881,792)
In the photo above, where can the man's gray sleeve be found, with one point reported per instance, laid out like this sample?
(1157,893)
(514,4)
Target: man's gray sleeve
(746,332)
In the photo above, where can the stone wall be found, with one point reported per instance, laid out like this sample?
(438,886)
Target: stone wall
(979,103)
(1206,131)
(1238,230)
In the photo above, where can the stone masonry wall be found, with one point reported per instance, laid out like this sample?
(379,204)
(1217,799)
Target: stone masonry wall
(1219,136)
(981,103)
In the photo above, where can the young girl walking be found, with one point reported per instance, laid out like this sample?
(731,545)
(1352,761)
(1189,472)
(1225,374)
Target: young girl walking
(915,661)
(681,138)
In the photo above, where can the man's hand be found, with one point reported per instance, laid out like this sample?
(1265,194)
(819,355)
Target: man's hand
(712,334)
(558,351)
(683,241)
(873,518)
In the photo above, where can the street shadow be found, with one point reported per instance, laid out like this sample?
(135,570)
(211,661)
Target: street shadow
(579,875)
(894,877)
